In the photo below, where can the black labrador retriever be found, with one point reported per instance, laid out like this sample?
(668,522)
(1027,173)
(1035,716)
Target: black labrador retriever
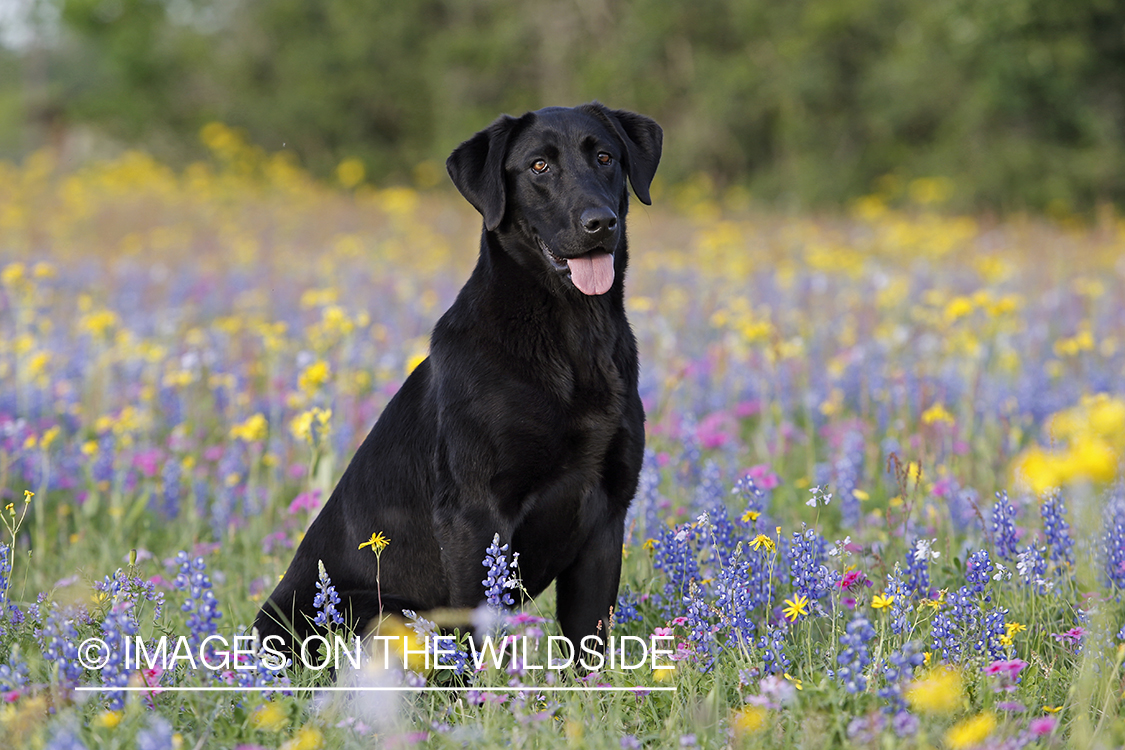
(525,420)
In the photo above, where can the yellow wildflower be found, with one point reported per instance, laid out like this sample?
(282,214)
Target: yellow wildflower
(749,720)
(750,516)
(377,542)
(314,376)
(307,738)
(253,430)
(795,607)
(937,693)
(270,717)
(763,541)
(108,719)
(970,732)
(936,414)
(881,601)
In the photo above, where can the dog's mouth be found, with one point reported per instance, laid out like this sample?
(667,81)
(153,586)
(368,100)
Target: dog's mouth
(591,273)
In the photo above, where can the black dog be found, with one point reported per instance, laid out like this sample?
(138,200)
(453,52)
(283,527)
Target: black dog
(525,419)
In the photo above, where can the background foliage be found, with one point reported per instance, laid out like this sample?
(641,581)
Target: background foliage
(1018,103)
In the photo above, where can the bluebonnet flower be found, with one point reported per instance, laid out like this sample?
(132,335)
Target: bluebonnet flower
(904,724)
(201,605)
(1113,544)
(754,517)
(1031,568)
(900,602)
(646,503)
(626,609)
(673,556)
(1004,527)
(497,582)
(700,630)
(326,599)
(5,575)
(1057,531)
(709,498)
(865,730)
(118,627)
(808,574)
(848,469)
(992,629)
(898,670)
(171,477)
(13,675)
(918,566)
(156,736)
(126,588)
(855,657)
(978,571)
(689,460)
(65,738)
(771,647)
(735,597)
(58,641)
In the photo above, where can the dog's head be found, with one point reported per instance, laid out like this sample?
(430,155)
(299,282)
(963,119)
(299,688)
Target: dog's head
(553,184)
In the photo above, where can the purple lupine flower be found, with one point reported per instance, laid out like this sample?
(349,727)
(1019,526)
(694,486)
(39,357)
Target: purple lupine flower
(673,556)
(117,628)
(157,735)
(326,600)
(848,469)
(14,674)
(123,587)
(807,572)
(700,630)
(626,609)
(918,566)
(735,598)
(978,571)
(1057,531)
(900,601)
(771,647)
(855,657)
(1004,527)
(201,605)
(171,477)
(497,582)
(58,641)
(898,671)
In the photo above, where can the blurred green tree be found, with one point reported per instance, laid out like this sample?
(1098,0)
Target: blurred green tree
(1021,103)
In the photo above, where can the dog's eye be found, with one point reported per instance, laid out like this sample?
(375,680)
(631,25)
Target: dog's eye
(539,166)
(604,159)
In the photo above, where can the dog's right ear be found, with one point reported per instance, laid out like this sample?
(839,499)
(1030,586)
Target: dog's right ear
(477,169)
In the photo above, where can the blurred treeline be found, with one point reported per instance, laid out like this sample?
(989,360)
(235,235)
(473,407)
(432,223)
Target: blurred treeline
(1019,103)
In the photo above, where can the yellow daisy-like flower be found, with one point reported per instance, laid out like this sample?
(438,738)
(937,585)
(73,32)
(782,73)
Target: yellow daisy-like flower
(750,516)
(377,542)
(763,541)
(1052,709)
(795,607)
(882,602)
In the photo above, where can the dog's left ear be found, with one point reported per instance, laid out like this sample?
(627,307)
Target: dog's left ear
(477,169)
(643,140)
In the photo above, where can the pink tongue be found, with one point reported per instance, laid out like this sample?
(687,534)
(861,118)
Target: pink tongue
(592,273)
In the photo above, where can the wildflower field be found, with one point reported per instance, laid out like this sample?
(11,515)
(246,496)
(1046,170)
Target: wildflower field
(881,504)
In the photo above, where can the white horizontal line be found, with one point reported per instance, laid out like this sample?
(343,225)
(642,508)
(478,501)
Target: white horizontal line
(365,689)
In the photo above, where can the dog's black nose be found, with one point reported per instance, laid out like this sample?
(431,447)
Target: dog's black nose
(599,221)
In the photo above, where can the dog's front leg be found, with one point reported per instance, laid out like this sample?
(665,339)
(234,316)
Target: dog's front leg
(587,590)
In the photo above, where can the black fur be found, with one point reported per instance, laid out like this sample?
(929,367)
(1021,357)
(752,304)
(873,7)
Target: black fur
(525,419)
